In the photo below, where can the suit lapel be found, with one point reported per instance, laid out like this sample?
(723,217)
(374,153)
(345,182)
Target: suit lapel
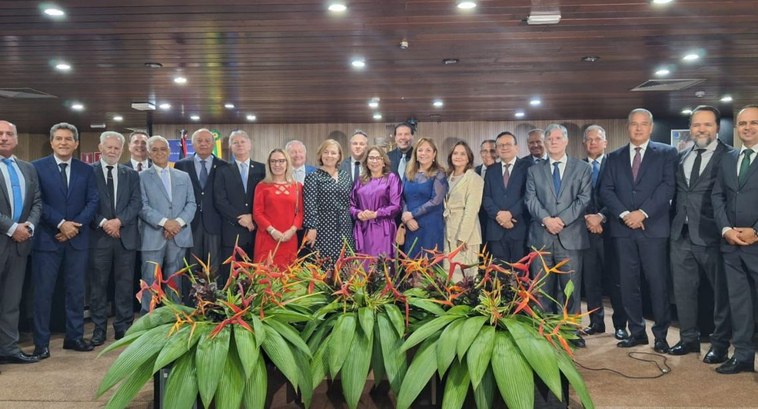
(652,151)
(121,190)
(153,173)
(568,175)
(4,188)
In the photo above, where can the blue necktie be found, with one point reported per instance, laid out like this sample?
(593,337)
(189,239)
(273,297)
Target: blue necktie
(595,172)
(243,173)
(556,178)
(203,174)
(18,201)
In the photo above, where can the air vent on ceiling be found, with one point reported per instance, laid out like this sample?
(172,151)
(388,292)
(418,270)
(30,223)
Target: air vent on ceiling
(666,85)
(24,93)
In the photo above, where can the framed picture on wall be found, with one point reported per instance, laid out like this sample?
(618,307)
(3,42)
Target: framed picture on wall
(680,139)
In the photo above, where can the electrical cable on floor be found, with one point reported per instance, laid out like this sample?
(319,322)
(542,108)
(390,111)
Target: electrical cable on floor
(664,369)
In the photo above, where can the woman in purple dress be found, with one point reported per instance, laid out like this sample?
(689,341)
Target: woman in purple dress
(374,204)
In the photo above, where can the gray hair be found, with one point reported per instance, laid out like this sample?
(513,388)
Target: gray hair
(537,131)
(110,134)
(295,142)
(550,128)
(198,132)
(155,138)
(640,111)
(239,132)
(591,128)
(67,126)
(12,125)
(359,132)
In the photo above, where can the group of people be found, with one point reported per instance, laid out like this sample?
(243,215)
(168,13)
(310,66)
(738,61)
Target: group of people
(613,216)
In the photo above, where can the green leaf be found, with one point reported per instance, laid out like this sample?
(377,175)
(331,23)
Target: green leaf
(539,353)
(340,341)
(159,316)
(484,395)
(177,345)
(126,340)
(468,332)
(459,310)
(210,359)
(231,386)
(425,331)
(419,373)
(319,364)
(446,345)
(569,289)
(144,348)
(456,387)
(395,359)
(323,311)
(132,384)
(256,387)
(355,370)
(258,330)
(306,378)
(396,318)
(566,366)
(181,386)
(246,348)
(366,319)
(286,331)
(427,305)
(479,354)
(514,376)
(377,360)
(280,353)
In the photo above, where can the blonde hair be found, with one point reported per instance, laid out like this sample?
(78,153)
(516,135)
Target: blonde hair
(413,166)
(386,164)
(323,147)
(287,173)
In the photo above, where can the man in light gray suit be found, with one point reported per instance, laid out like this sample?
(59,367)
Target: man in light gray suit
(168,206)
(358,144)
(20,208)
(557,194)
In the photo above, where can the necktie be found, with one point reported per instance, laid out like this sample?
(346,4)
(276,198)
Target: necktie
(556,178)
(695,174)
(18,201)
(166,182)
(506,175)
(744,165)
(356,171)
(139,166)
(203,174)
(243,173)
(111,188)
(636,163)
(401,166)
(484,171)
(300,175)
(595,172)
(537,160)
(64,179)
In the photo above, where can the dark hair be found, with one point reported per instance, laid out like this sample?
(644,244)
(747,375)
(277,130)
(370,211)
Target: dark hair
(469,156)
(716,113)
(386,164)
(407,125)
(492,141)
(506,133)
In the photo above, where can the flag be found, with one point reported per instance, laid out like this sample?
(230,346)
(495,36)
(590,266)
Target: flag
(217,149)
(183,144)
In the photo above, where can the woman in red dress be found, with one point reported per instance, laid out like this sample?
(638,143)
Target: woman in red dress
(278,212)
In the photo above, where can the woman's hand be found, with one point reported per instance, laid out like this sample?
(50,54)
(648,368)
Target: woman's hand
(310,237)
(412,225)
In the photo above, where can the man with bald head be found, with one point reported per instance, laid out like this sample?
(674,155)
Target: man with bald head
(352,164)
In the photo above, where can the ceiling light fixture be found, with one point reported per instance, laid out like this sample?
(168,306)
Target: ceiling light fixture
(229,105)
(195,117)
(165,106)
(519,114)
(251,117)
(686,111)
(358,63)
(337,7)
(373,104)
(77,106)
(180,80)
(118,118)
(466,4)
(544,17)
(153,65)
(659,2)
(54,11)
(62,66)
(662,72)
(690,57)
(726,98)
(590,58)
(450,61)
(438,103)
(377,116)
(535,102)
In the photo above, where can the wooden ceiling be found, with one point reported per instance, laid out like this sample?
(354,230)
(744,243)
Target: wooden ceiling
(288,61)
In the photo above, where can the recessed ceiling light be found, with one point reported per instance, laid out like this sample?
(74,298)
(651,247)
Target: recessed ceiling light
(165,106)
(62,66)
(726,98)
(153,65)
(77,106)
(337,7)
(195,117)
(180,80)
(519,114)
(438,103)
(229,105)
(358,63)
(118,118)
(590,58)
(450,61)
(466,4)
(691,57)
(373,104)
(377,116)
(686,111)
(662,72)
(661,1)
(54,11)
(535,102)
(251,117)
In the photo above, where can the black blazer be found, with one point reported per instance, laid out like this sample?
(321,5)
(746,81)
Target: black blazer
(596,206)
(497,198)
(395,156)
(231,200)
(128,206)
(735,205)
(206,210)
(128,164)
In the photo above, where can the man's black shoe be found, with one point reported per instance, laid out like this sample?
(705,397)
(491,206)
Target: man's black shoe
(621,334)
(77,345)
(19,358)
(734,366)
(715,356)
(98,337)
(683,348)
(41,352)
(661,346)
(632,342)
(594,328)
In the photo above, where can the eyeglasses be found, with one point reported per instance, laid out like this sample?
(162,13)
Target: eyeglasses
(505,145)
(487,151)
(374,158)
(277,161)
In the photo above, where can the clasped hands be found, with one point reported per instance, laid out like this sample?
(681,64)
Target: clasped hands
(171,228)
(366,215)
(635,220)
(285,236)
(409,221)
(741,236)
(246,221)
(553,225)
(505,219)
(22,233)
(594,223)
(67,231)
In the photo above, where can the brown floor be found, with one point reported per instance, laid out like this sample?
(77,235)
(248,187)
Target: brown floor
(69,380)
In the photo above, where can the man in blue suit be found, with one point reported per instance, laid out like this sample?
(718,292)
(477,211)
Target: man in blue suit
(401,155)
(637,188)
(298,153)
(61,241)
(504,186)
(168,207)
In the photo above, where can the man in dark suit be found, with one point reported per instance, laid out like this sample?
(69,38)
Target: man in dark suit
(558,191)
(352,164)
(488,153)
(233,194)
(206,225)
(507,216)
(637,188)
(138,159)
(401,155)
(598,267)
(114,238)
(61,241)
(735,195)
(695,237)
(535,140)
(20,209)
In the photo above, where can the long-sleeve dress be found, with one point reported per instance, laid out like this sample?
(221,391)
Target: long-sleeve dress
(424,198)
(327,210)
(280,206)
(383,195)
(464,198)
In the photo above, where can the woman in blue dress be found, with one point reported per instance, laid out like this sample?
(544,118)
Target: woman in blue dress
(424,190)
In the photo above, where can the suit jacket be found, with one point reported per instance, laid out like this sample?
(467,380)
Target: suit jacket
(694,204)
(735,205)
(497,198)
(395,156)
(569,204)
(652,192)
(596,205)
(231,201)
(462,205)
(128,164)
(156,205)
(346,165)
(206,213)
(128,205)
(78,204)
(30,212)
